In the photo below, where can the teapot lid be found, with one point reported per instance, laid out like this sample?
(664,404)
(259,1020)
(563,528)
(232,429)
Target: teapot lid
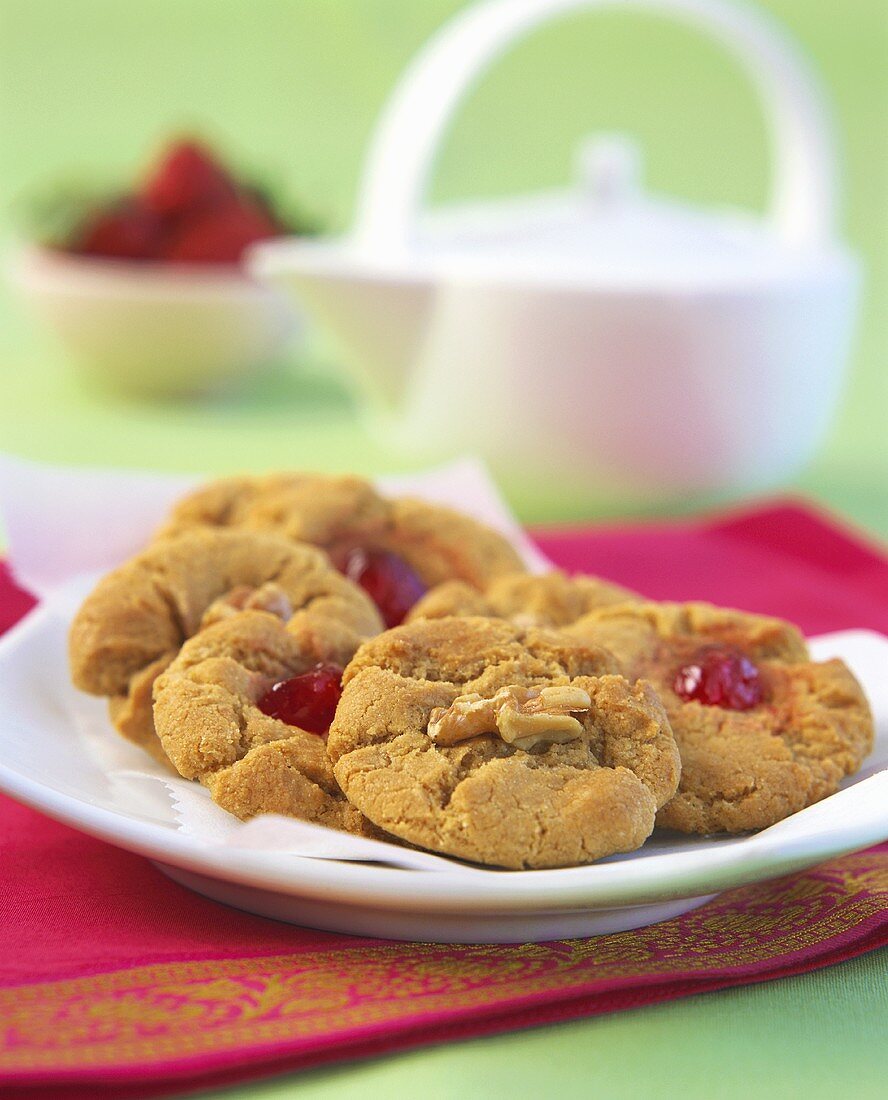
(606,231)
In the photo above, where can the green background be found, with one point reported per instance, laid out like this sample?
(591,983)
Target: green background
(90,87)
(292,87)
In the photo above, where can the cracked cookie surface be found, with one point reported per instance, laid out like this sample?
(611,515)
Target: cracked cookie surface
(551,599)
(340,513)
(133,623)
(208,718)
(472,793)
(808,727)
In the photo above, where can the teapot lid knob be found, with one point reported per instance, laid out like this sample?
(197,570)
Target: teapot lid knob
(608,168)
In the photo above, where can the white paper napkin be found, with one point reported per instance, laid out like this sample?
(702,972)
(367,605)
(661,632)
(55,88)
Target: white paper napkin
(66,526)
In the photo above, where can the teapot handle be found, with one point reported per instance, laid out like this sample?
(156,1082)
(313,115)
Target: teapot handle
(405,143)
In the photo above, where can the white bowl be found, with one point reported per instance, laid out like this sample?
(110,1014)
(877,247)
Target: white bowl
(155,329)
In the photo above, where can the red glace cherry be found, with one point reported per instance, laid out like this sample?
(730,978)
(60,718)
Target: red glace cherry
(387,579)
(720,676)
(307,701)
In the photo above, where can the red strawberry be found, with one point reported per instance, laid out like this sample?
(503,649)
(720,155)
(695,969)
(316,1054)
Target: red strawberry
(187,178)
(124,231)
(220,234)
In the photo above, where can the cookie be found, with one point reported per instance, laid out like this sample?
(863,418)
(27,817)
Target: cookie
(763,731)
(395,548)
(548,599)
(323,505)
(499,744)
(133,623)
(132,714)
(218,720)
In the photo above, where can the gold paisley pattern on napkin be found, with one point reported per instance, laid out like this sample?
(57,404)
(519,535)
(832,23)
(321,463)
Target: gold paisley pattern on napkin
(151,1014)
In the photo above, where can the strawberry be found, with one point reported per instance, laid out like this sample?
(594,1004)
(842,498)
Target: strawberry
(123,231)
(219,234)
(190,210)
(188,178)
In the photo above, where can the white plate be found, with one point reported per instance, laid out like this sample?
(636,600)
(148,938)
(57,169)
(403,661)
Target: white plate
(56,761)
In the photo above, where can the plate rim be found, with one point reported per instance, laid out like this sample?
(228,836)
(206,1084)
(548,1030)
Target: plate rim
(687,874)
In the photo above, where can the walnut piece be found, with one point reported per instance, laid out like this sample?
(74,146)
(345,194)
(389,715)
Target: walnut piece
(268,597)
(522,717)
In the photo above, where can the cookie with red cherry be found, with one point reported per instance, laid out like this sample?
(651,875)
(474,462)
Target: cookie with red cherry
(763,730)
(394,548)
(245,708)
(133,624)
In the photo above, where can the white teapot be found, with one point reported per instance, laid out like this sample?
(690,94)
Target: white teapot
(613,342)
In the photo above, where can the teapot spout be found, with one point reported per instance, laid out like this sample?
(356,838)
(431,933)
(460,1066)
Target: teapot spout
(374,320)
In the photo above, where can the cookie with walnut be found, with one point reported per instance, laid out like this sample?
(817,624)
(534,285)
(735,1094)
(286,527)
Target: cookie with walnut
(763,730)
(132,625)
(499,744)
(245,708)
(552,599)
(395,548)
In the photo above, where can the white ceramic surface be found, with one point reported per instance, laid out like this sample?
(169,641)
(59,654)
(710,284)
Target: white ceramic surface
(156,329)
(568,335)
(59,754)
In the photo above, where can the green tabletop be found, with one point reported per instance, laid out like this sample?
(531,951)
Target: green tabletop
(87,86)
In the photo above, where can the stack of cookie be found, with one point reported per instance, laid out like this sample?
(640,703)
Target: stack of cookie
(302,645)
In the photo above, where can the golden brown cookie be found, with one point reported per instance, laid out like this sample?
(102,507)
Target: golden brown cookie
(223,502)
(763,731)
(132,715)
(133,623)
(345,514)
(500,744)
(547,599)
(215,713)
